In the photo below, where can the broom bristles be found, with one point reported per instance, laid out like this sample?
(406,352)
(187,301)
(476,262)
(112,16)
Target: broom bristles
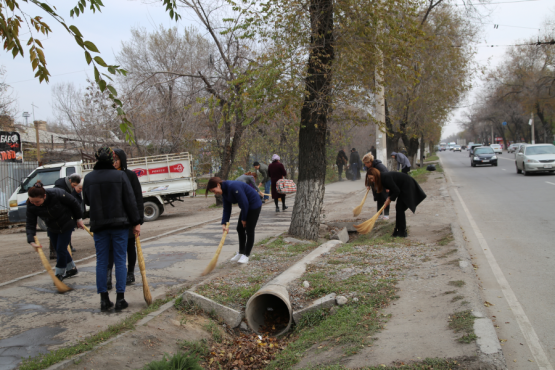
(142,268)
(61,287)
(358,208)
(367,226)
(214,260)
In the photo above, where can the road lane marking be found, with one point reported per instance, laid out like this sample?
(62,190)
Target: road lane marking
(504,169)
(550,183)
(523,322)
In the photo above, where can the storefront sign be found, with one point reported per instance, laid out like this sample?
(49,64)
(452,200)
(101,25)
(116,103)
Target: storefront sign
(10,147)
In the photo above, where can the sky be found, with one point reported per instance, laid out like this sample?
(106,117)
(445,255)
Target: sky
(517,20)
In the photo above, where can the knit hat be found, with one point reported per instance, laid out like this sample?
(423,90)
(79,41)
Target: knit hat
(105,154)
(275,157)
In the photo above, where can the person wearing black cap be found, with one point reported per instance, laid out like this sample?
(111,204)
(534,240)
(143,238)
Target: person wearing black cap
(113,210)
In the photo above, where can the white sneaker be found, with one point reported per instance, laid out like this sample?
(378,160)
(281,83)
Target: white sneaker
(380,217)
(236,257)
(244,259)
(386,217)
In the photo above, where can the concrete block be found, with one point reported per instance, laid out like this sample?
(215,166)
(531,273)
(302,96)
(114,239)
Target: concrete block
(349,225)
(487,341)
(324,302)
(228,315)
(343,235)
(341,300)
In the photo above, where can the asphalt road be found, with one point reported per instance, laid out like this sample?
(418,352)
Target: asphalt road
(510,233)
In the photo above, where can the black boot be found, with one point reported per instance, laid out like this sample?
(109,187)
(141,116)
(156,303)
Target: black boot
(109,279)
(105,303)
(395,233)
(402,234)
(71,272)
(120,302)
(284,207)
(130,278)
(277,209)
(60,277)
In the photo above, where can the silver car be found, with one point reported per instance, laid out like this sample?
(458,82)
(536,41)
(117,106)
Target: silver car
(535,158)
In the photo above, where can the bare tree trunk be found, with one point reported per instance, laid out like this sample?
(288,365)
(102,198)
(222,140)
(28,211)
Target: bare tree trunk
(305,221)
(422,151)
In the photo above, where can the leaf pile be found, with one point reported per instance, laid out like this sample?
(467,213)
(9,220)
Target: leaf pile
(245,352)
(275,321)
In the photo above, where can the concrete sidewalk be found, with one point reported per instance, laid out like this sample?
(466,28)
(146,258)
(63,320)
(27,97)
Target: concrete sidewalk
(36,319)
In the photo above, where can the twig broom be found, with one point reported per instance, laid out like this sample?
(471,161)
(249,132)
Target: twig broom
(142,267)
(214,260)
(358,208)
(62,288)
(87,230)
(367,226)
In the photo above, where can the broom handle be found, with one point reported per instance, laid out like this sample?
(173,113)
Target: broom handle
(140,258)
(87,230)
(62,288)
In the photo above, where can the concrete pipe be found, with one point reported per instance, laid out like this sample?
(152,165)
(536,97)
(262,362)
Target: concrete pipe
(274,297)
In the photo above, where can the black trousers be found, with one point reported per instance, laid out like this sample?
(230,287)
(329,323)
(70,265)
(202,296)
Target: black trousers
(406,169)
(401,219)
(131,256)
(246,234)
(340,170)
(282,196)
(382,197)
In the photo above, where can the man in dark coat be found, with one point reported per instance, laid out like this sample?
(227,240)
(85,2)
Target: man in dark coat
(341,160)
(355,164)
(120,163)
(113,210)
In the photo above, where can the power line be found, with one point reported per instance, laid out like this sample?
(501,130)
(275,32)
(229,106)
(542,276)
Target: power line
(496,26)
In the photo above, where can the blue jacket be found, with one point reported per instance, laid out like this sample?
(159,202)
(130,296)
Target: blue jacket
(237,192)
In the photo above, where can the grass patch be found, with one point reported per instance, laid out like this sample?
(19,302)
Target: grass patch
(226,294)
(202,180)
(420,175)
(446,240)
(463,321)
(214,330)
(439,168)
(179,361)
(450,292)
(457,298)
(457,283)
(432,158)
(214,206)
(427,364)
(197,347)
(46,360)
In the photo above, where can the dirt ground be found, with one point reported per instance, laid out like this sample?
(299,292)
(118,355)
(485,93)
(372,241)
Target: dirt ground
(19,259)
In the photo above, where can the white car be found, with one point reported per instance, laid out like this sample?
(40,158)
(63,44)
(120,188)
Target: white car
(457,148)
(535,158)
(496,148)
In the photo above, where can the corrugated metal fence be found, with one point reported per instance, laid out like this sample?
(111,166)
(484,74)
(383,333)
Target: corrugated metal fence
(11,175)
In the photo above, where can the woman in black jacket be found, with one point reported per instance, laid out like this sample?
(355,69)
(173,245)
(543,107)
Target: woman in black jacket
(370,162)
(61,213)
(402,188)
(120,163)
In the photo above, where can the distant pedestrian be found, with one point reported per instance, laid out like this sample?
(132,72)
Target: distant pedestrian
(355,162)
(120,164)
(264,178)
(61,213)
(403,162)
(403,189)
(341,160)
(370,162)
(276,171)
(113,210)
(237,192)
(70,184)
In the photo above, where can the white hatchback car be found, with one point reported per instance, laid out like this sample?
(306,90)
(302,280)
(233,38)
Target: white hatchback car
(496,148)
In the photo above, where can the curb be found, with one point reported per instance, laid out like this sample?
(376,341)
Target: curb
(71,361)
(489,349)
(228,315)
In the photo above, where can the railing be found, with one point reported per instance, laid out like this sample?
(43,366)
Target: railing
(11,176)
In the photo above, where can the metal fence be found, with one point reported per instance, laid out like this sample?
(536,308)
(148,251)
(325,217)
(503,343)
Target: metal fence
(11,175)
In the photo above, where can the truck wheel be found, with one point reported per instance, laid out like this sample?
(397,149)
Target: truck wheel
(152,211)
(41,224)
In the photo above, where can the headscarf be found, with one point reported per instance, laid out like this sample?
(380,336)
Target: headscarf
(105,154)
(275,157)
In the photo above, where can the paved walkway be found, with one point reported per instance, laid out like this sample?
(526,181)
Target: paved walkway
(35,318)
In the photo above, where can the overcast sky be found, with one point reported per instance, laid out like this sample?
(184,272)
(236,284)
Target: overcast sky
(517,20)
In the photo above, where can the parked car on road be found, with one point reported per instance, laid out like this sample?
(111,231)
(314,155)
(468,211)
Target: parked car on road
(512,148)
(497,149)
(483,155)
(535,158)
(457,148)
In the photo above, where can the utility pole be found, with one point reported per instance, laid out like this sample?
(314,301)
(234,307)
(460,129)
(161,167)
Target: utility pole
(492,141)
(381,138)
(531,123)
(38,140)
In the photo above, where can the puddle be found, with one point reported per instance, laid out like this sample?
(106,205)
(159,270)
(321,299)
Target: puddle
(14,348)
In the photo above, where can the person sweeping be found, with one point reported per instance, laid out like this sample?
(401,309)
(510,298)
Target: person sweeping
(71,184)
(403,189)
(113,210)
(369,161)
(120,164)
(61,213)
(237,192)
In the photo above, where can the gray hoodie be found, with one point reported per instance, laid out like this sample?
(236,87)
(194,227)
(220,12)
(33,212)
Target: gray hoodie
(402,160)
